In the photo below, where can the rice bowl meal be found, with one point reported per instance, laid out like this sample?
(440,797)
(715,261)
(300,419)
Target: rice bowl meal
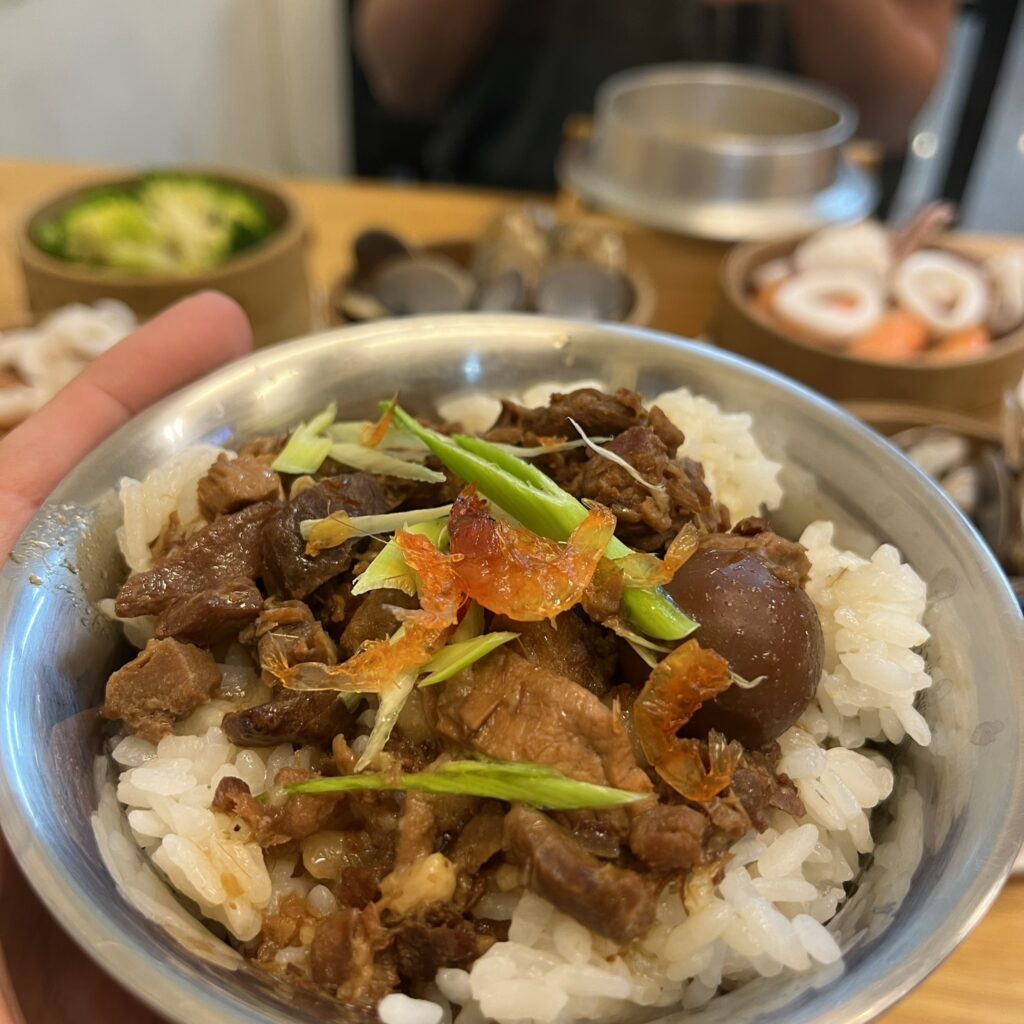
(525,712)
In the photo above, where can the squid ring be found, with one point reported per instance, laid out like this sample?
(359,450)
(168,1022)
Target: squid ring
(831,304)
(1006,271)
(861,247)
(943,291)
(771,273)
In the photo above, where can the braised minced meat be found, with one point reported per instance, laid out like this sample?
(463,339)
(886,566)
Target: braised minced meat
(229,548)
(650,521)
(289,571)
(610,900)
(408,871)
(210,616)
(572,646)
(165,682)
(231,484)
(512,710)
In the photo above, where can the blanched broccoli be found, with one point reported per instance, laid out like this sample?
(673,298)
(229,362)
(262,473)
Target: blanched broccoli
(170,222)
(111,229)
(203,221)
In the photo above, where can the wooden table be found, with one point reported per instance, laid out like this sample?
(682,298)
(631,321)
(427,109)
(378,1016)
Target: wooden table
(983,982)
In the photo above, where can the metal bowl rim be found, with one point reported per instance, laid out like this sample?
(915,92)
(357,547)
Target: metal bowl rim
(618,86)
(159,986)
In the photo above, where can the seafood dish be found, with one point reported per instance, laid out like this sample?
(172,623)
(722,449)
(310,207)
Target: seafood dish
(524,260)
(892,296)
(519,711)
(36,362)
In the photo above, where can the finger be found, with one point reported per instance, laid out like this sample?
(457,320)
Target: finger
(187,341)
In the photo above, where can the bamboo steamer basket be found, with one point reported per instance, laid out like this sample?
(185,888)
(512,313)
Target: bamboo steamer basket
(269,280)
(974,384)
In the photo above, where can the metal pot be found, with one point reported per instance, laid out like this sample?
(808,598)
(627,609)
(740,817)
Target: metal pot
(719,151)
(958,808)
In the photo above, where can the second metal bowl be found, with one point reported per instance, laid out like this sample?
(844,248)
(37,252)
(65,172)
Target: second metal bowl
(719,151)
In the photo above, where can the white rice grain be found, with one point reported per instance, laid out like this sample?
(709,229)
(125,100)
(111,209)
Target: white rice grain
(529,919)
(512,1000)
(402,1009)
(454,984)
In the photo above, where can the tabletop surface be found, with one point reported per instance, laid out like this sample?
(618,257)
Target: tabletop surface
(984,979)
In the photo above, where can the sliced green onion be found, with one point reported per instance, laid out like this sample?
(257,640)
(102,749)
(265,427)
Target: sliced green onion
(352,432)
(337,528)
(512,464)
(536,501)
(453,658)
(372,460)
(322,421)
(655,613)
(645,654)
(307,447)
(472,624)
(392,700)
(545,449)
(389,569)
(533,784)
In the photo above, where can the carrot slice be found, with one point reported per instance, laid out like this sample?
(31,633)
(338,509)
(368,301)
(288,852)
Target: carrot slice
(962,345)
(898,335)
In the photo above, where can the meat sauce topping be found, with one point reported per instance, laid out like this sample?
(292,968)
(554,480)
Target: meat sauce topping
(477,642)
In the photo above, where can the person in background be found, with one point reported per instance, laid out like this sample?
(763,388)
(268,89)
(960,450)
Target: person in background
(484,86)
(44,977)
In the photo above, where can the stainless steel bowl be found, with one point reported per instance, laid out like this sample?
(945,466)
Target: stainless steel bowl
(957,817)
(719,151)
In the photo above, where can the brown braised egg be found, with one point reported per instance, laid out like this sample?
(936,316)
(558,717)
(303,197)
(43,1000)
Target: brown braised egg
(764,626)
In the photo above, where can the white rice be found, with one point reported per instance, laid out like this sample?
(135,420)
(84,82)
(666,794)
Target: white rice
(871,614)
(767,915)
(737,472)
(168,788)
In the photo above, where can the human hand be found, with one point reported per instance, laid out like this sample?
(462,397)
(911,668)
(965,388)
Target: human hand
(44,977)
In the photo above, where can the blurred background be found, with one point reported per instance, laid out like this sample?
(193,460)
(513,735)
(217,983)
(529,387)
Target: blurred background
(835,189)
(277,87)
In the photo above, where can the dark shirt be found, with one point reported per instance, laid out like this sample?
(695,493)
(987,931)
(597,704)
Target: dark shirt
(503,126)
